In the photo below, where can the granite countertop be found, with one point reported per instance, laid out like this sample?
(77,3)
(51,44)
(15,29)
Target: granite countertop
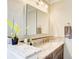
(22,50)
(42,50)
(49,47)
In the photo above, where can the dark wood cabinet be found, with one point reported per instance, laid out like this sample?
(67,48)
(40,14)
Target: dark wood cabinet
(57,54)
(50,56)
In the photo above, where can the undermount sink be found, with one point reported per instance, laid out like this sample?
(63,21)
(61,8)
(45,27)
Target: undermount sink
(46,45)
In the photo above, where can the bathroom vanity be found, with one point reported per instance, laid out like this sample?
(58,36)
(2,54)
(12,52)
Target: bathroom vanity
(35,23)
(43,47)
(51,48)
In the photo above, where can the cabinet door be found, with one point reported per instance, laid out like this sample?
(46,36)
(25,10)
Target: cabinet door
(58,54)
(49,56)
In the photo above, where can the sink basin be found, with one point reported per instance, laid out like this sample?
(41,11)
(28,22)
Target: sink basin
(45,46)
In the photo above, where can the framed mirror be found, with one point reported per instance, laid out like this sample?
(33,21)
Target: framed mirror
(31,20)
(37,22)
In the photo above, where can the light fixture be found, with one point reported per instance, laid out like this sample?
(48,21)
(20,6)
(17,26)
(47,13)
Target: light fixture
(41,2)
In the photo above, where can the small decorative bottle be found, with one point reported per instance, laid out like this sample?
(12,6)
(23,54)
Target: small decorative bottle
(29,41)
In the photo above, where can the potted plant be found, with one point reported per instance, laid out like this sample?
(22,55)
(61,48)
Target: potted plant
(14,39)
(15,30)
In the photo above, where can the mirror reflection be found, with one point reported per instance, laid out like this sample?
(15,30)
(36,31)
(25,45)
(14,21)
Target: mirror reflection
(37,21)
(31,20)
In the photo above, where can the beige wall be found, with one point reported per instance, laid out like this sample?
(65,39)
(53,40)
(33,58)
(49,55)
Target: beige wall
(16,12)
(60,15)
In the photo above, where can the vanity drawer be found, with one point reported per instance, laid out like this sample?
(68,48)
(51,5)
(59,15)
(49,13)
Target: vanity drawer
(58,50)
